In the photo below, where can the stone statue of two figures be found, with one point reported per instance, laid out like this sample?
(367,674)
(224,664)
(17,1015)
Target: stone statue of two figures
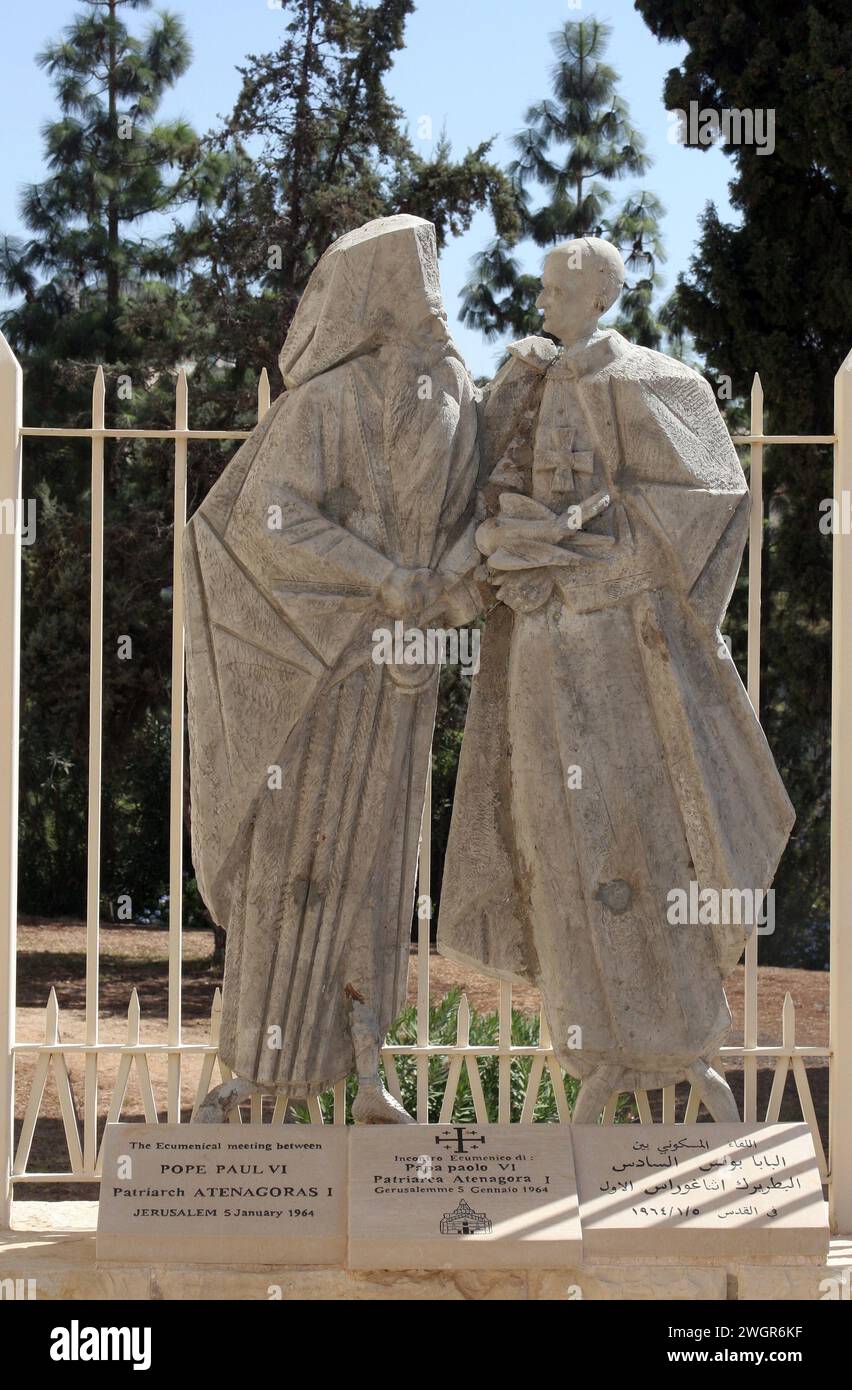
(590,500)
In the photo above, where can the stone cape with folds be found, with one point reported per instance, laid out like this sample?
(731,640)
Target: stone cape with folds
(611,754)
(308,759)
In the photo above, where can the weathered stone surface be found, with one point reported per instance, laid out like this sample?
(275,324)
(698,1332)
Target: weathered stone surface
(63,1267)
(783,1283)
(54,1216)
(619,1282)
(64,1285)
(178,1282)
(613,777)
(338,1284)
(349,508)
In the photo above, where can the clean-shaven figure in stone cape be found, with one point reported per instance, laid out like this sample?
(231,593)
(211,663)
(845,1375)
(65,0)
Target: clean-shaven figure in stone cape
(347,509)
(611,755)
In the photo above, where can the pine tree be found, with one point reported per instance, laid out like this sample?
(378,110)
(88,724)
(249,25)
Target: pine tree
(587,118)
(773,294)
(217,291)
(112,166)
(89,269)
(329,152)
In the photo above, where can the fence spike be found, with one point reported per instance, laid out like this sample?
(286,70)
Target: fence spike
(215,1017)
(463,1023)
(134,1014)
(181,401)
(263,394)
(98,399)
(788,1023)
(51,1018)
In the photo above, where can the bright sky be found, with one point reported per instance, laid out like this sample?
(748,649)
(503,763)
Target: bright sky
(473,66)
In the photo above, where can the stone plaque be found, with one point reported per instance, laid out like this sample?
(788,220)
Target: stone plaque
(462,1197)
(700,1190)
(223,1194)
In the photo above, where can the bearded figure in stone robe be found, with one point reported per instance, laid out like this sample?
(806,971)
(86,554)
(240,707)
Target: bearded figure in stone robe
(611,759)
(348,508)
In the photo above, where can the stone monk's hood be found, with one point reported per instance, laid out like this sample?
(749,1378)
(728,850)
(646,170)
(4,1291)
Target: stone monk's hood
(283,559)
(361,294)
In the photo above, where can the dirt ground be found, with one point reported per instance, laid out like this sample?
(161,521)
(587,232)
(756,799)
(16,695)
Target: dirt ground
(52,954)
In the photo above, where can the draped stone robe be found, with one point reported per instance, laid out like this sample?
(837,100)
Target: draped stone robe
(611,754)
(312,870)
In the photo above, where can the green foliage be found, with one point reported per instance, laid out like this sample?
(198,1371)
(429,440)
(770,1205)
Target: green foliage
(216,290)
(443,1028)
(453,694)
(587,119)
(484,1029)
(773,294)
(329,151)
(112,164)
(483,1032)
(90,285)
(80,283)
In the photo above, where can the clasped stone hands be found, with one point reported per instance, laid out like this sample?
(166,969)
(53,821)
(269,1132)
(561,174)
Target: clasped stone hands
(527,545)
(525,536)
(425,595)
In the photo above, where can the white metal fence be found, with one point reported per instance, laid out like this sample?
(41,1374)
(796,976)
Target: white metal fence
(56,1059)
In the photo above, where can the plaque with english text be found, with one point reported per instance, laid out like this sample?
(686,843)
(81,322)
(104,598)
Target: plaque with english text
(223,1194)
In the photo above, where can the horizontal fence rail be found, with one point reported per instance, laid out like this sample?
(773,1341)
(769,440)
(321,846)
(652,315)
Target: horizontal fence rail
(460,1058)
(521,1071)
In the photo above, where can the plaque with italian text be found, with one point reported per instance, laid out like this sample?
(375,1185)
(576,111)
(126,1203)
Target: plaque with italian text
(462,1197)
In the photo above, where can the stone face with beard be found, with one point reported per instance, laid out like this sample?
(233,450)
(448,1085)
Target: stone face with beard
(349,507)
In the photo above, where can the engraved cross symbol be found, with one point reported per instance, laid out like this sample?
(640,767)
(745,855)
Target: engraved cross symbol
(559,458)
(565,472)
(458,1136)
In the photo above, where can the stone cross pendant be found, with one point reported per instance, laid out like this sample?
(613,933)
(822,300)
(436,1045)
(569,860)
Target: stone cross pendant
(560,460)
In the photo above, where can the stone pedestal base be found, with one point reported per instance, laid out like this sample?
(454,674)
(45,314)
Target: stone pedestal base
(51,1255)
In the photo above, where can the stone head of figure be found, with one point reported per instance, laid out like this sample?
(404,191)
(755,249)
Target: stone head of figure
(373,286)
(581,280)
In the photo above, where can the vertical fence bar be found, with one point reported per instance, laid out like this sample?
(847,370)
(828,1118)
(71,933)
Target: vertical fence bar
(424,921)
(755,556)
(93,846)
(338,1115)
(840,1108)
(504,1063)
(11,395)
(176,772)
(755,546)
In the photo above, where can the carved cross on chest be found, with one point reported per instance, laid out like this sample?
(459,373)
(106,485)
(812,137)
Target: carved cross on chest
(558,462)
